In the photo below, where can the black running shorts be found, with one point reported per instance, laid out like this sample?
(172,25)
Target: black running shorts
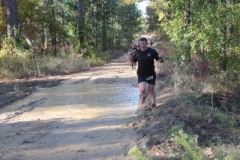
(149,79)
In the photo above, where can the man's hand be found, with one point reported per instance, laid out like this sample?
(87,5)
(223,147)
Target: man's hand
(161,59)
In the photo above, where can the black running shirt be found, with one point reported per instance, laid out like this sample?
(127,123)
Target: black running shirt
(145,61)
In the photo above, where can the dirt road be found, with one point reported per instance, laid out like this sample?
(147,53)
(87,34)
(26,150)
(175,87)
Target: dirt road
(88,116)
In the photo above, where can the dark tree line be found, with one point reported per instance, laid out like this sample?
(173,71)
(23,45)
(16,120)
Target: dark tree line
(49,24)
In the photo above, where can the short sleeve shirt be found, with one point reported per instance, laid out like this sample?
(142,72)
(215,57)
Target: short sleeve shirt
(145,61)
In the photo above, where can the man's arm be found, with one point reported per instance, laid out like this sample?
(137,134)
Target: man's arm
(158,57)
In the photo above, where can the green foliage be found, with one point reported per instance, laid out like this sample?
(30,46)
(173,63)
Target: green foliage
(43,20)
(225,120)
(175,129)
(136,154)
(206,50)
(129,23)
(189,144)
(227,152)
(218,81)
(152,18)
(211,29)
(13,61)
(7,47)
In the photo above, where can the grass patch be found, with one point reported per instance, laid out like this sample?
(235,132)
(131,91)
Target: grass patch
(225,120)
(24,64)
(189,145)
(137,154)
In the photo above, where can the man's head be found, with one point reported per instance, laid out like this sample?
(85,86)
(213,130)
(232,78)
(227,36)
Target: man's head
(143,44)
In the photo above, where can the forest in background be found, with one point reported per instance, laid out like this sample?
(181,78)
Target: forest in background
(41,37)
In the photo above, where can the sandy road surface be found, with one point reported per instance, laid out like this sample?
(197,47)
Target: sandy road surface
(89,116)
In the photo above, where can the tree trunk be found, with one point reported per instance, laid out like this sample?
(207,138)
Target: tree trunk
(80,21)
(44,38)
(52,29)
(111,38)
(2,4)
(104,30)
(96,26)
(12,18)
(224,28)
(62,39)
(92,17)
(62,15)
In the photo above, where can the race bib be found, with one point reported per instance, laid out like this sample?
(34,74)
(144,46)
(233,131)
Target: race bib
(149,78)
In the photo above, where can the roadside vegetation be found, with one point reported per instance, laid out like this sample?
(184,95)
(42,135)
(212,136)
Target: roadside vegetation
(195,119)
(199,115)
(20,63)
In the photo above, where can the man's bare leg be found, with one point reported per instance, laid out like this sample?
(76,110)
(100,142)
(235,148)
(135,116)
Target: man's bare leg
(152,94)
(142,88)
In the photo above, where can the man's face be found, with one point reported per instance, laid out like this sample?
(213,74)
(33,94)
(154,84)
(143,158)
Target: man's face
(143,45)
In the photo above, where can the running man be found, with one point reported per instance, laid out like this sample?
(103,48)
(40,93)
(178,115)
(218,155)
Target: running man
(146,71)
